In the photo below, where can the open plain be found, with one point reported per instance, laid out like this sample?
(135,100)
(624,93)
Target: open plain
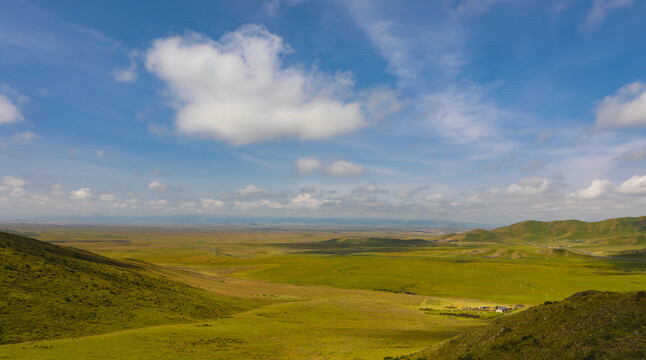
(326,294)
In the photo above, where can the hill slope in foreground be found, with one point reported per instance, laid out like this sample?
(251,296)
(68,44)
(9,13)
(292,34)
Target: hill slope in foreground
(49,291)
(629,229)
(587,325)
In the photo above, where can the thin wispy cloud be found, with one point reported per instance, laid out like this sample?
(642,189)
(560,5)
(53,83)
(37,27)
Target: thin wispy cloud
(600,10)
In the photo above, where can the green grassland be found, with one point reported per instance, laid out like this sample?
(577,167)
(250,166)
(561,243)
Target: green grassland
(335,294)
(48,291)
(608,235)
(588,325)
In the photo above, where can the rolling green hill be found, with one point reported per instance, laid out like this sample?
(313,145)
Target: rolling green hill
(587,325)
(627,230)
(48,291)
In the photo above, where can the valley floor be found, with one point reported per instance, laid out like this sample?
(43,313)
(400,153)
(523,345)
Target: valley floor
(336,302)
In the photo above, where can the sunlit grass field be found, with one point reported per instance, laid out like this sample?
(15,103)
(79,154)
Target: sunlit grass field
(327,302)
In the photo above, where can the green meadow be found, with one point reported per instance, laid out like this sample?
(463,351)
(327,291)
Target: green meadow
(322,294)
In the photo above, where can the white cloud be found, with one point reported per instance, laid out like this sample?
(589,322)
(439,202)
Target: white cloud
(24,136)
(82,194)
(381,103)
(106,197)
(345,168)
(306,201)
(632,155)
(529,186)
(308,165)
(626,108)
(636,185)
(237,89)
(8,111)
(311,165)
(406,194)
(251,190)
(100,153)
(246,206)
(11,181)
(128,74)
(18,192)
(371,188)
(57,190)
(597,189)
(211,203)
(158,203)
(435,198)
(157,186)
(600,10)
(13,186)
(462,116)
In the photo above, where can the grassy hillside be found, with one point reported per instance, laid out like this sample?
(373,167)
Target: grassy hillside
(630,229)
(48,291)
(588,325)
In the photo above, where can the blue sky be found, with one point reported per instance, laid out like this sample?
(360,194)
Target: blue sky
(488,111)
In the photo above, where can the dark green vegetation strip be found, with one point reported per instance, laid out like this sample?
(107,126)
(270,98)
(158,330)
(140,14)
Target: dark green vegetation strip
(588,325)
(354,246)
(48,291)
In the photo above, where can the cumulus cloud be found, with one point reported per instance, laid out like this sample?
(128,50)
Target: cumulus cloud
(306,201)
(435,198)
(8,111)
(238,90)
(529,186)
(251,190)
(636,185)
(57,190)
(311,165)
(12,181)
(371,188)
(247,206)
(600,10)
(408,193)
(308,165)
(13,186)
(344,168)
(597,189)
(211,203)
(625,108)
(81,194)
(106,197)
(157,186)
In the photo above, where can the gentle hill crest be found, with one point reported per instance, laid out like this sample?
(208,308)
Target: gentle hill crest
(49,291)
(629,229)
(587,325)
